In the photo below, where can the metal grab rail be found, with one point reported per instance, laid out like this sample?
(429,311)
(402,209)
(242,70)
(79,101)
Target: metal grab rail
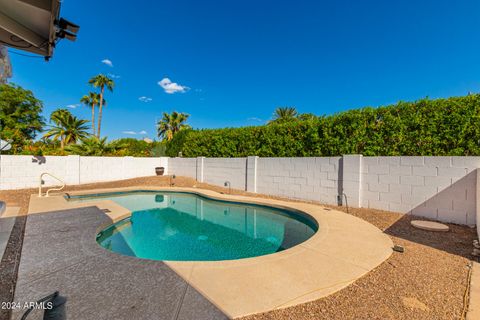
(52,189)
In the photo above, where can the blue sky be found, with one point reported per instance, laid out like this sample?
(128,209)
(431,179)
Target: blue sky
(231,63)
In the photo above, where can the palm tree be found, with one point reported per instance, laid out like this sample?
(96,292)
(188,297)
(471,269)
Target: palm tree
(66,128)
(92,99)
(171,124)
(59,114)
(284,114)
(101,81)
(94,146)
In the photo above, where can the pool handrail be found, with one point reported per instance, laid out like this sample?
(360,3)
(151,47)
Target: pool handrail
(52,189)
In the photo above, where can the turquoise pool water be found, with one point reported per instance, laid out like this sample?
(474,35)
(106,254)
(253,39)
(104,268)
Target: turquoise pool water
(187,227)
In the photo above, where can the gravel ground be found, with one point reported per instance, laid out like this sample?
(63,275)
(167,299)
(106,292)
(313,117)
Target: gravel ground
(427,281)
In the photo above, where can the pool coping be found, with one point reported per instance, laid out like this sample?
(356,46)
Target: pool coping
(342,250)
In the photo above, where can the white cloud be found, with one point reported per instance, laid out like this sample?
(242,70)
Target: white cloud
(113,76)
(145,99)
(135,133)
(108,62)
(171,87)
(255,119)
(73,106)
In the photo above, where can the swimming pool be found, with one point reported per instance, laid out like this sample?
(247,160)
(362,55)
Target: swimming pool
(181,226)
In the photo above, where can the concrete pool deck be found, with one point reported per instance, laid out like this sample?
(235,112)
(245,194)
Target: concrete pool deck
(60,253)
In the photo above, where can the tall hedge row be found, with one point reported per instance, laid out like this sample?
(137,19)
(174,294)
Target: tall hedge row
(425,127)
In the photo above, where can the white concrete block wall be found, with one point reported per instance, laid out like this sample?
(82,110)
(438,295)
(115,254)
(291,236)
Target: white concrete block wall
(97,169)
(185,167)
(441,188)
(218,170)
(134,167)
(17,172)
(301,178)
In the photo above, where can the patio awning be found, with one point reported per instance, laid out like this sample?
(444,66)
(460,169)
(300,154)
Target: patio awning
(33,25)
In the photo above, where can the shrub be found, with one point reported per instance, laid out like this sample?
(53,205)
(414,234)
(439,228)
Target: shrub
(425,127)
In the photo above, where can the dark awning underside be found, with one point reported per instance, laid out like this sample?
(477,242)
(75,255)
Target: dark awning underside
(29,25)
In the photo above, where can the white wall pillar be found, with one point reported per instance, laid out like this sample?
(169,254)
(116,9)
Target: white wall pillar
(477,200)
(200,163)
(251,184)
(2,185)
(351,179)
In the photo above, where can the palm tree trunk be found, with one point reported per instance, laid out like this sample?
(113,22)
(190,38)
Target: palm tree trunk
(100,113)
(93,119)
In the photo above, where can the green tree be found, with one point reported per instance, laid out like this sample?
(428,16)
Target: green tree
(66,128)
(101,81)
(170,124)
(20,115)
(59,114)
(93,146)
(284,114)
(307,116)
(92,99)
(139,148)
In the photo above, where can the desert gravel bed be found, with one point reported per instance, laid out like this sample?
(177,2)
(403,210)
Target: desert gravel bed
(427,281)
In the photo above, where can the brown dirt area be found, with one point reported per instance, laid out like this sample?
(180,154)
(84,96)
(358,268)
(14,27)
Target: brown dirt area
(427,281)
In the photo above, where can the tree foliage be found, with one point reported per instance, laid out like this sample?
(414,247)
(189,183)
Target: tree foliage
(92,100)
(20,115)
(425,127)
(139,148)
(66,128)
(94,146)
(170,124)
(284,115)
(101,81)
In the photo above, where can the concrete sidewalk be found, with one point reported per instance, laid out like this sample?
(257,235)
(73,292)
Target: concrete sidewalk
(474,305)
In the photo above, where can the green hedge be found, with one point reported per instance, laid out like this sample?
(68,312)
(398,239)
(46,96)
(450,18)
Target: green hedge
(425,127)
